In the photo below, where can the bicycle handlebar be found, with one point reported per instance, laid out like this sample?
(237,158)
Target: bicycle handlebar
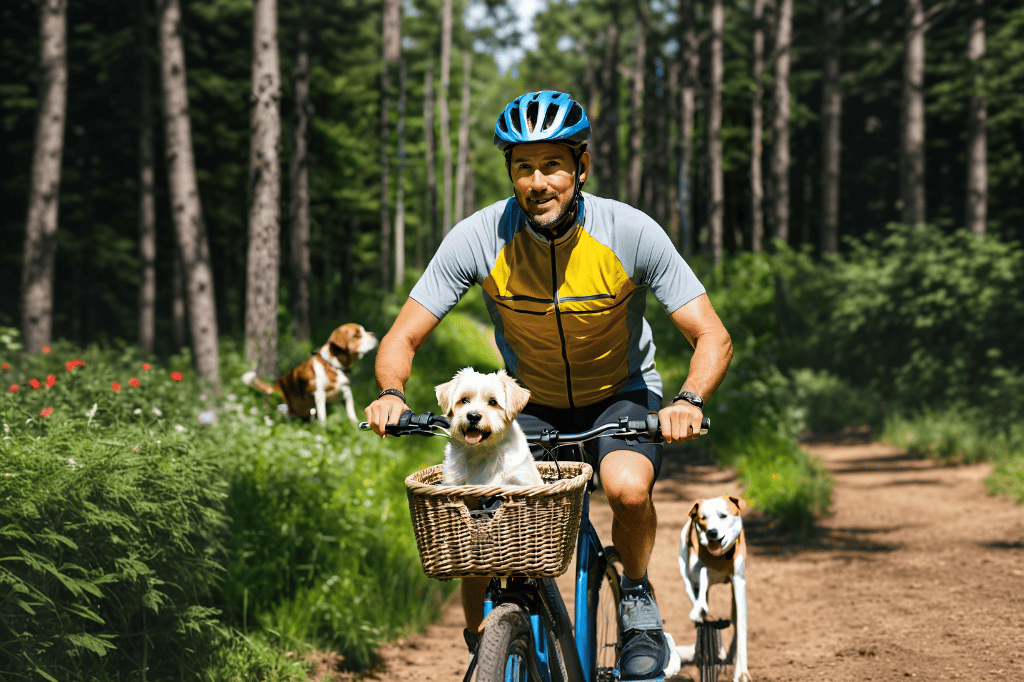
(411,424)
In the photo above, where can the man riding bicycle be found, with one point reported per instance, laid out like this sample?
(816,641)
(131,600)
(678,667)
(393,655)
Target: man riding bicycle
(564,276)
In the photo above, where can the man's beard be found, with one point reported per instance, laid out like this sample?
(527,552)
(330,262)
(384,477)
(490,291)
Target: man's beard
(549,223)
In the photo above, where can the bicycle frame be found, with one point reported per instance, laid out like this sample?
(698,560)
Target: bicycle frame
(541,599)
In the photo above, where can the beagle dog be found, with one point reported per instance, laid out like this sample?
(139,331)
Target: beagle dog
(323,378)
(712,551)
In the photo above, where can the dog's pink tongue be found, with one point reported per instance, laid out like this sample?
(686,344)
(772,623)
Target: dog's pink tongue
(474,438)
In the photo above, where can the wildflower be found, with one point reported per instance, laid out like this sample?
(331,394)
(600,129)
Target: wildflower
(5,367)
(179,428)
(71,364)
(46,349)
(51,381)
(133,382)
(157,412)
(176,376)
(145,366)
(46,411)
(34,383)
(116,386)
(72,463)
(92,412)
(137,410)
(13,388)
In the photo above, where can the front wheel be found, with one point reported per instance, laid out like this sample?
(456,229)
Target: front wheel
(505,645)
(607,616)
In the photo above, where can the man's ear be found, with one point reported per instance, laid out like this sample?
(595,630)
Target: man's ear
(584,167)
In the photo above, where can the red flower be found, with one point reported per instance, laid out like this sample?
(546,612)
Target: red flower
(116,386)
(133,382)
(46,349)
(13,388)
(5,367)
(176,376)
(34,383)
(73,363)
(145,366)
(50,381)
(46,411)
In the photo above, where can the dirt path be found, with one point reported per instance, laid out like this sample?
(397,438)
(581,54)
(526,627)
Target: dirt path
(918,573)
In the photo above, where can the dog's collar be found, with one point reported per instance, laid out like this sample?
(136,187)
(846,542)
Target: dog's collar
(331,360)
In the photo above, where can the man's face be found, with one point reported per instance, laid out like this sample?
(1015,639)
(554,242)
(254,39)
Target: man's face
(543,175)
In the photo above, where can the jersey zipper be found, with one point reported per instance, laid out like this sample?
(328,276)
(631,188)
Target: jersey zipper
(561,331)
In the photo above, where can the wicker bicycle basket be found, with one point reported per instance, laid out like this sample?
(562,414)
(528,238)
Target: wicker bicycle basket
(531,534)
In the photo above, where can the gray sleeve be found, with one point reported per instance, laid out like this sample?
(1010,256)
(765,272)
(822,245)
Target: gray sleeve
(661,268)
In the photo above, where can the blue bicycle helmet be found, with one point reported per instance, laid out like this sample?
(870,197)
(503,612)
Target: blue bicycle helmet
(545,116)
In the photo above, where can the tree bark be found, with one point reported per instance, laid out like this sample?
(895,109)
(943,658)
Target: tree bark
(977,143)
(607,124)
(400,181)
(391,44)
(464,142)
(690,53)
(780,125)
(912,168)
(298,182)
(147,193)
(179,309)
(184,190)
(757,133)
(636,114)
(434,238)
(716,193)
(831,119)
(44,194)
(264,255)
(445,122)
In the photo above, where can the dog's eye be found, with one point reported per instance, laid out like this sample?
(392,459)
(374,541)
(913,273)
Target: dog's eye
(464,401)
(492,402)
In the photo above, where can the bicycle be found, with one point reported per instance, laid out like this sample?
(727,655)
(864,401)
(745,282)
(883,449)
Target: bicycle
(527,634)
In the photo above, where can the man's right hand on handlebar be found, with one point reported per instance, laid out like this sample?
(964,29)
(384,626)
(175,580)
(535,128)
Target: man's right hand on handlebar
(383,411)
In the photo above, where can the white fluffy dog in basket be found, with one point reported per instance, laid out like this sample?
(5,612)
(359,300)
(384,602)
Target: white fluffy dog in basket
(487,447)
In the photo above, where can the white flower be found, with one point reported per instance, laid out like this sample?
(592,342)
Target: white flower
(157,412)
(137,410)
(267,420)
(252,410)
(179,428)
(72,463)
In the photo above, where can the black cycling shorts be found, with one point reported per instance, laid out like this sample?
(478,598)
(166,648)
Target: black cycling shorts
(633,404)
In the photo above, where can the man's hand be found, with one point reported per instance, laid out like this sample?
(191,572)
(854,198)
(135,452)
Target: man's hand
(680,422)
(384,411)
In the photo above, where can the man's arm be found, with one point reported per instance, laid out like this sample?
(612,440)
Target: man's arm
(712,353)
(393,365)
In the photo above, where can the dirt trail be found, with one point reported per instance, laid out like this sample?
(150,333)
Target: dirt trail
(917,573)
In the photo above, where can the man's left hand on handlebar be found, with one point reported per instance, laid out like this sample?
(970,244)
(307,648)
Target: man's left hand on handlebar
(680,422)
(383,411)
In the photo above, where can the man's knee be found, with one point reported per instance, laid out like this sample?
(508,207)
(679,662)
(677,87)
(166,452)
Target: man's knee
(627,478)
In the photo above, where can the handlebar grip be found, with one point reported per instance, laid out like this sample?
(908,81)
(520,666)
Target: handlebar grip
(652,427)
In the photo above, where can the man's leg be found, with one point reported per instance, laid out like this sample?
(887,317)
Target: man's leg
(627,478)
(473,592)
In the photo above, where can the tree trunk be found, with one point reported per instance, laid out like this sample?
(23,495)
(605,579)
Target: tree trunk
(463,161)
(434,238)
(636,114)
(147,195)
(470,199)
(977,144)
(757,133)
(44,193)
(831,118)
(607,124)
(391,43)
(400,181)
(780,126)
(912,196)
(446,142)
(716,194)
(690,53)
(179,310)
(298,181)
(184,190)
(264,255)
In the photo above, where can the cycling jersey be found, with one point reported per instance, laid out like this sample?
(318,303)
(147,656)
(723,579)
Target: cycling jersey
(568,313)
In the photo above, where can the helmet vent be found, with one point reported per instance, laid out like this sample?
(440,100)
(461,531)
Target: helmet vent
(549,117)
(531,116)
(502,124)
(574,116)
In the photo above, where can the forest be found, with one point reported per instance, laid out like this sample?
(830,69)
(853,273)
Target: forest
(197,188)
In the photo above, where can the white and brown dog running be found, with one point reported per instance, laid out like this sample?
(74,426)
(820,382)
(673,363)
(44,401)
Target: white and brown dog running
(712,551)
(487,446)
(323,378)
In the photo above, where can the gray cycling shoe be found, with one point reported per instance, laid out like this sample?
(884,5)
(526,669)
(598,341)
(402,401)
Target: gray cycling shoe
(644,651)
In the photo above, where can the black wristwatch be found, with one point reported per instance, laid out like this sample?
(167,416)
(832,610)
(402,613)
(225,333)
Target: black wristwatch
(691,398)
(392,391)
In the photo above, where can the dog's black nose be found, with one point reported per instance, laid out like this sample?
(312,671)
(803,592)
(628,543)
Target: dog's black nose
(474,417)
(712,534)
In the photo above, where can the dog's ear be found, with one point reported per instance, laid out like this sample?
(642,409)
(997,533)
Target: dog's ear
(343,336)
(694,510)
(446,396)
(740,503)
(516,396)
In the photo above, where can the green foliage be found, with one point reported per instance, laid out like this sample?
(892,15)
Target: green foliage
(241,658)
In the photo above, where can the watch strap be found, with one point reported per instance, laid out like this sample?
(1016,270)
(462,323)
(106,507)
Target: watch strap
(392,391)
(691,398)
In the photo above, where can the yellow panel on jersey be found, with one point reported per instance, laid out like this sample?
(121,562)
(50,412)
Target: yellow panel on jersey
(563,309)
